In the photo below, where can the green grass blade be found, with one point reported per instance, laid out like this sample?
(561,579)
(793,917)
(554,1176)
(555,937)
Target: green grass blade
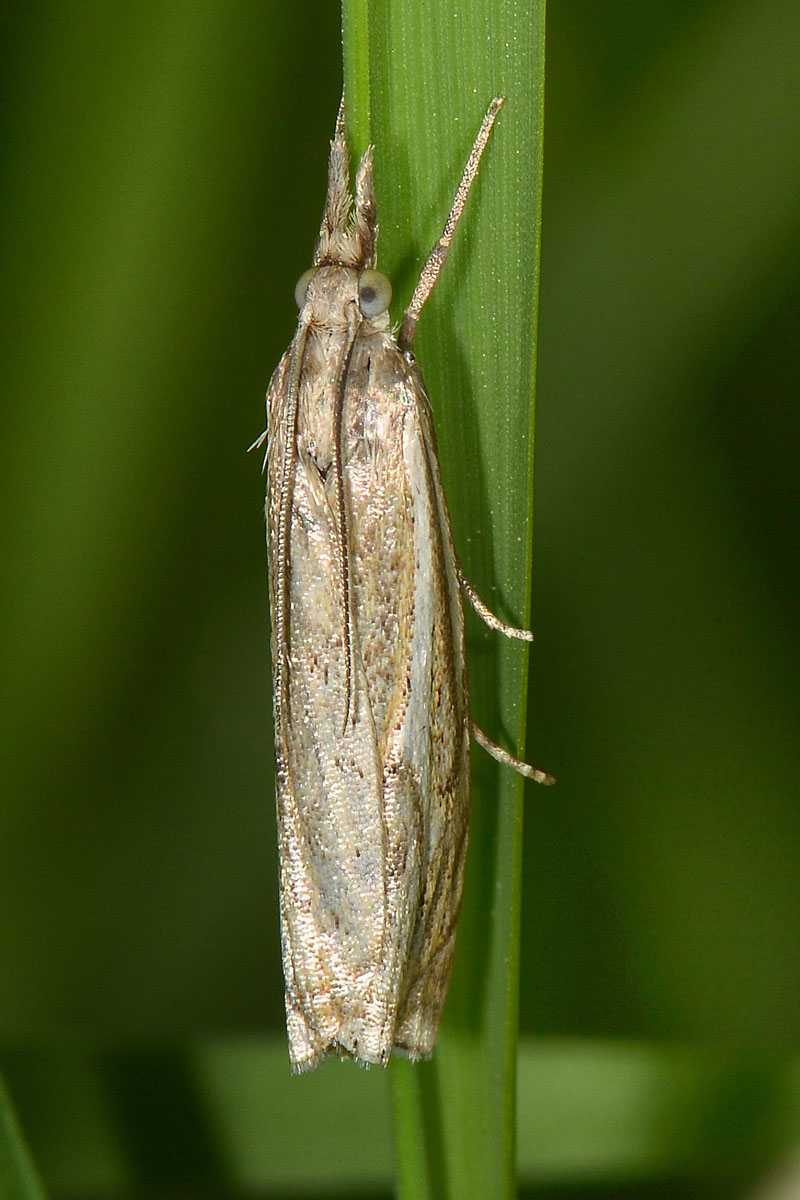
(591,1112)
(418,80)
(18,1179)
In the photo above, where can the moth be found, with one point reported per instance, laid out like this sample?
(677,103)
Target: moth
(371,718)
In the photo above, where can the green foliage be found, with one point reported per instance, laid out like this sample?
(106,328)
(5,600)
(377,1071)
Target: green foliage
(162,180)
(17,1177)
(455,1115)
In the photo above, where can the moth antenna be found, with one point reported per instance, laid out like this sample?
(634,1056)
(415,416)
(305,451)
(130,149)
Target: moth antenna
(438,255)
(285,488)
(348,635)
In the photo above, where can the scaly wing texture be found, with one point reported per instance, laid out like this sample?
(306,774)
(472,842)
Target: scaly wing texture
(443,732)
(372,816)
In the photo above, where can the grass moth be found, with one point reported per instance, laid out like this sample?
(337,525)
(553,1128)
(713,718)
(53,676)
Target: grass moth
(372,724)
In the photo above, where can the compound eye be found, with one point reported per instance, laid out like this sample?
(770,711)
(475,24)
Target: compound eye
(374,293)
(301,290)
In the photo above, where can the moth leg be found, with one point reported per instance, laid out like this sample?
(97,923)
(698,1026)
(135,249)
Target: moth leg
(508,760)
(257,444)
(438,255)
(486,614)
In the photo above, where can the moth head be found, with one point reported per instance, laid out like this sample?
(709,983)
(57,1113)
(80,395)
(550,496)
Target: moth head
(374,289)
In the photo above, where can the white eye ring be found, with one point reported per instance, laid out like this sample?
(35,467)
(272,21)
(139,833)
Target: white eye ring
(301,288)
(374,293)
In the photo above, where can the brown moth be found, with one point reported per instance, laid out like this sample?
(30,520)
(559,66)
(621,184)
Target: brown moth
(372,725)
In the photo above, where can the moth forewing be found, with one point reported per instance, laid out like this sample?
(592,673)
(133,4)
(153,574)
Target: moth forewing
(369,669)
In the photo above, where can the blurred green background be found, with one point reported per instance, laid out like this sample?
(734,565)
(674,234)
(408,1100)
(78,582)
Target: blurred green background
(161,183)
